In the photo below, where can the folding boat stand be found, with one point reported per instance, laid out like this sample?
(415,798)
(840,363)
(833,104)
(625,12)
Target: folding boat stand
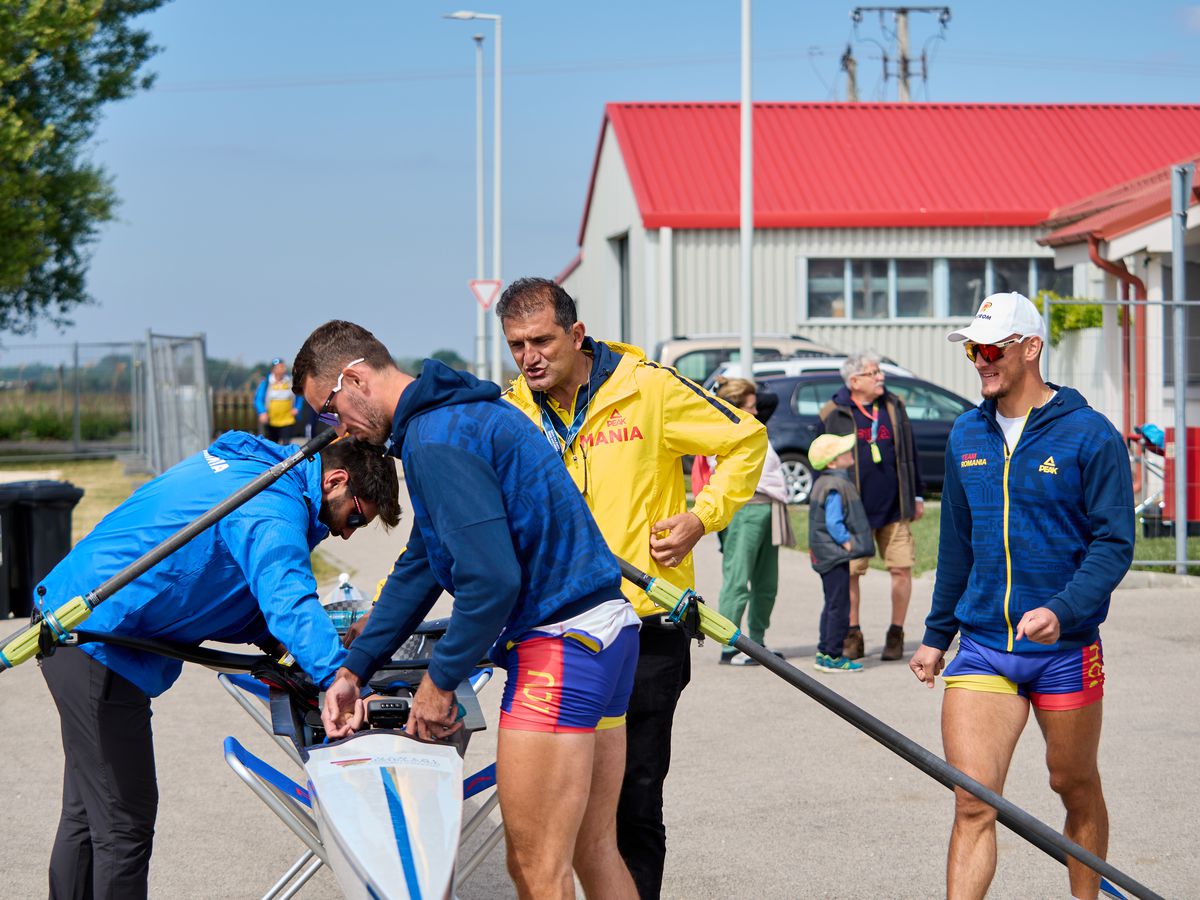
(291,803)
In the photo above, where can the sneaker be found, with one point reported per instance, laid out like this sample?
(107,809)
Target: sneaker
(727,657)
(893,647)
(852,647)
(835,664)
(743,660)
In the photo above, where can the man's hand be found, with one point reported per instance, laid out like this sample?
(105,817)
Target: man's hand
(918,511)
(927,663)
(262,418)
(344,710)
(1039,625)
(355,629)
(431,717)
(848,546)
(682,530)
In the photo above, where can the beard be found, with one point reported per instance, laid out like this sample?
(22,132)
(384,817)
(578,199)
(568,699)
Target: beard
(378,424)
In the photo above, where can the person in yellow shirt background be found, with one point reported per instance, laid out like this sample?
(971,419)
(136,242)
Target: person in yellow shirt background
(276,405)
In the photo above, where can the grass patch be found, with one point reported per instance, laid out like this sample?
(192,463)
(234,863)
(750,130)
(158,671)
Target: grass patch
(1164,548)
(323,570)
(925,537)
(104,482)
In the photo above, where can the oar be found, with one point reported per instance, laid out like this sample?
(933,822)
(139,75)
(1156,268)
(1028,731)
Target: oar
(24,644)
(681,604)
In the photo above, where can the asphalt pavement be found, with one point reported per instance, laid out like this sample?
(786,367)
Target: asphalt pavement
(770,794)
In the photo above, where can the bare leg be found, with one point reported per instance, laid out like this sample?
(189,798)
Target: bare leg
(1072,742)
(979,733)
(854,595)
(544,780)
(601,870)
(901,594)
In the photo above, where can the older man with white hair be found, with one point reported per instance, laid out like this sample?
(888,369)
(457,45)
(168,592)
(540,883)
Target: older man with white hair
(888,480)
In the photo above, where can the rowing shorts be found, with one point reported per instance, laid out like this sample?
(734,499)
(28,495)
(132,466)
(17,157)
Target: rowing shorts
(563,684)
(1064,679)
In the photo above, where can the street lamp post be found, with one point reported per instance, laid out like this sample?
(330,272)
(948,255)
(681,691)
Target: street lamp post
(480,263)
(465,15)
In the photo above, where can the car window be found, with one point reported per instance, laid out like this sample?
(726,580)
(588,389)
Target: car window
(927,403)
(699,364)
(810,396)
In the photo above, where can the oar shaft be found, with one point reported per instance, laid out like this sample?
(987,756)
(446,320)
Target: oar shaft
(24,644)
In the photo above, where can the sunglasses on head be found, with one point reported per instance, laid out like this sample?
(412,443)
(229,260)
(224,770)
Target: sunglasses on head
(990,352)
(331,418)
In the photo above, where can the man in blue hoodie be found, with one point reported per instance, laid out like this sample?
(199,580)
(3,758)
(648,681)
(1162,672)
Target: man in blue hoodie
(247,579)
(500,525)
(1036,533)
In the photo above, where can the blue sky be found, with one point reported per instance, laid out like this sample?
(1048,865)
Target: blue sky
(299,161)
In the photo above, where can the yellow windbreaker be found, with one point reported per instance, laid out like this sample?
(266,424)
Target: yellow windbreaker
(627,458)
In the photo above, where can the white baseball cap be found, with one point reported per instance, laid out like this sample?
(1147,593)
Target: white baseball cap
(1001,315)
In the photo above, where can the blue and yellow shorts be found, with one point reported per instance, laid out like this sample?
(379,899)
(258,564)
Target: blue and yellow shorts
(1064,679)
(559,684)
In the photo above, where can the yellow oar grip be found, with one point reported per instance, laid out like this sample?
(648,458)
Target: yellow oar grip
(25,645)
(712,623)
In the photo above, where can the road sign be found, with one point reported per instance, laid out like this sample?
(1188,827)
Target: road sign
(485,291)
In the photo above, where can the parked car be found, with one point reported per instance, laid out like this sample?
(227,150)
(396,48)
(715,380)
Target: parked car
(697,357)
(931,410)
(767,368)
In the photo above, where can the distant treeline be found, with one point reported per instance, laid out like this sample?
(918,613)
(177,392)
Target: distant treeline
(112,374)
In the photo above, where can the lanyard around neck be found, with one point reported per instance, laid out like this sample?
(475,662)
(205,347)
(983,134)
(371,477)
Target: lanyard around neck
(874,419)
(557,432)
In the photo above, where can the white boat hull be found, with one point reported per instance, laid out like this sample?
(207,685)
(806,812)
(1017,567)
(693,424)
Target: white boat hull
(389,808)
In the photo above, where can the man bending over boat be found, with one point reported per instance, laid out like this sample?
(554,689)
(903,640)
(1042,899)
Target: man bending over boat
(499,525)
(244,580)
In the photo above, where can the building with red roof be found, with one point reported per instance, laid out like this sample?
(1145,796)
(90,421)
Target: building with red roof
(877,225)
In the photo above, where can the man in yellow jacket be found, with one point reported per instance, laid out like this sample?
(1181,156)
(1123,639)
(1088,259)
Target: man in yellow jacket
(622,425)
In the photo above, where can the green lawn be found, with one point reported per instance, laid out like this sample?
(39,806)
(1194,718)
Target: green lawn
(925,536)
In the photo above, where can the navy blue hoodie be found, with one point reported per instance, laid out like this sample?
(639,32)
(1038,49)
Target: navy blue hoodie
(1050,525)
(499,524)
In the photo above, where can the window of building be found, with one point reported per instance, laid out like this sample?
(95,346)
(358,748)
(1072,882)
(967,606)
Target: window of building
(1010,275)
(1057,281)
(869,288)
(827,288)
(914,287)
(968,286)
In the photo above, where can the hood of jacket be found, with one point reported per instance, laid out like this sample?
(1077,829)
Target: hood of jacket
(437,386)
(1065,401)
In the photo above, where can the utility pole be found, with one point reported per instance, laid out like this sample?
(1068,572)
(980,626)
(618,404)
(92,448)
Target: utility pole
(850,67)
(900,34)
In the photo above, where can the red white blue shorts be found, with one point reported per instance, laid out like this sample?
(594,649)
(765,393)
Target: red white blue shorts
(1059,680)
(562,684)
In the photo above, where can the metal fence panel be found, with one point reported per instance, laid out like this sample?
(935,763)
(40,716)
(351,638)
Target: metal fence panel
(178,405)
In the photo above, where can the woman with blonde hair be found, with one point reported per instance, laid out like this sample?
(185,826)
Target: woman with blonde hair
(750,566)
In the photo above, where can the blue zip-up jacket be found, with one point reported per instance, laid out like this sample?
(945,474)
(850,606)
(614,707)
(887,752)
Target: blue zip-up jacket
(246,575)
(498,523)
(1050,525)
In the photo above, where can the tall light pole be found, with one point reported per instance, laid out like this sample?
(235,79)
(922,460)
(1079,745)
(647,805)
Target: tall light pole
(466,15)
(480,263)
(747,210)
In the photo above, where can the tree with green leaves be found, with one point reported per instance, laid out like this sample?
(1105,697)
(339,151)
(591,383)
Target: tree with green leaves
(60,62)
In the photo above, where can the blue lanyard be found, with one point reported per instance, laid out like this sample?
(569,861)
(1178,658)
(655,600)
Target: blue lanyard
(556,429)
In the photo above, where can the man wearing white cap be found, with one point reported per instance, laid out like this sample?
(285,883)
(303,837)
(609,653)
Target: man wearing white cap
(1036,533)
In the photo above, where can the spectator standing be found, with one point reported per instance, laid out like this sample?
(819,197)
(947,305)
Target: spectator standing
(838,532)
(1037,532)
(750,552)
(276,405)
(888,479)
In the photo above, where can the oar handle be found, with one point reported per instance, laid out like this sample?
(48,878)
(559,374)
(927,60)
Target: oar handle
(669,598)
(24,644)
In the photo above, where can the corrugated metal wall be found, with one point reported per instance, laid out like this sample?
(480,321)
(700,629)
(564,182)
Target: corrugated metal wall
(706,287)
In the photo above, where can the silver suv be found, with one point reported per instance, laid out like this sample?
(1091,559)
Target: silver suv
(698,356)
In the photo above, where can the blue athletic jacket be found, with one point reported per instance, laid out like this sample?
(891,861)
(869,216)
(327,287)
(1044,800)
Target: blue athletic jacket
(247,574)
(499,524)
(1051,525)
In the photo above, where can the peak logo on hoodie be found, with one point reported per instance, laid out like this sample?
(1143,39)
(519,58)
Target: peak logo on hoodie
(613,431)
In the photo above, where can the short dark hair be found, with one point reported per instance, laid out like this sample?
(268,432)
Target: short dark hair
(372,475)
(333,345)
(526,296)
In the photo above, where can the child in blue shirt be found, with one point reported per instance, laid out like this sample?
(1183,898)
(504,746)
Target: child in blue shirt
(838,531)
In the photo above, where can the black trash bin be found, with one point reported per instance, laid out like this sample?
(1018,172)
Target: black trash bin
(36,520)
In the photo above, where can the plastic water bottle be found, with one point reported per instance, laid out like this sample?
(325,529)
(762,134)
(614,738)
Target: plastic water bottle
(345,604)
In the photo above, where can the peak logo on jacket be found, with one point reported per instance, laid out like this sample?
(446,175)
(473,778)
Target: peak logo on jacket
(613,431)
(1049,466)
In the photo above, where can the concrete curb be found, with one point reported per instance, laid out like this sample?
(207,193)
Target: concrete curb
(1167,581)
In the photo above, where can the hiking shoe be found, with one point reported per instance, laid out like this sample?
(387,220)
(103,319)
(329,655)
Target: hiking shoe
(727,657)
(741,659)
(852,647)
(893,647)
(835,664)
